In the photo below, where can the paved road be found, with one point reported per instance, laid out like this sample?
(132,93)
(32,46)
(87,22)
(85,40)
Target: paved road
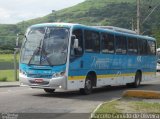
(27,100)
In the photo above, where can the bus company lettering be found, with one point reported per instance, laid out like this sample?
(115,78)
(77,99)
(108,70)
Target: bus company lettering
(139,59)
(100,63)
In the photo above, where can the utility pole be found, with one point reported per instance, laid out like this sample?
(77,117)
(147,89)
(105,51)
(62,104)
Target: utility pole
(15,63)
(138,16)
(15,57)
(132,24)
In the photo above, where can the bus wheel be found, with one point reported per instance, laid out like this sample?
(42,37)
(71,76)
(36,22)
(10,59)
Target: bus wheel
(88,86)
(49,90)
(137,81)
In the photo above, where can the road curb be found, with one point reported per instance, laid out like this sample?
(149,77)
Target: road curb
(147,94)
(6,86)
(9,84)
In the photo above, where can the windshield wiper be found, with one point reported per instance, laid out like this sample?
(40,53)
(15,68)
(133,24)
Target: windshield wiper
(43,52)
(35,52)
(40,50)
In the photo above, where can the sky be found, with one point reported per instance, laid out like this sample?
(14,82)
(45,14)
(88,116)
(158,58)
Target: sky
(14,11)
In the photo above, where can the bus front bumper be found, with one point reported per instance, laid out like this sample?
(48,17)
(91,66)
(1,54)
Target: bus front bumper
(53,83)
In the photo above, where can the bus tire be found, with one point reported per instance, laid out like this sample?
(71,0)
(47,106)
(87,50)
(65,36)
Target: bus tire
(88,86)
(49,90)
(137,80)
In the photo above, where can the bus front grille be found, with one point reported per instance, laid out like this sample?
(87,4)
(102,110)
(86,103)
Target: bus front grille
(41,83)
(39,76)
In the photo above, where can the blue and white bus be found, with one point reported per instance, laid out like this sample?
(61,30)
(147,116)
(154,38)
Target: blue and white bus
(78,57)
(158,59)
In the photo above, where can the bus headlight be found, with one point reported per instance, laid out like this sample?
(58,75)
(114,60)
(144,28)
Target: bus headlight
(22,72)
(58,74)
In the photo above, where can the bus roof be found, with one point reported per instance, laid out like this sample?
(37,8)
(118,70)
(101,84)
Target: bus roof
(54,24)
(110,29)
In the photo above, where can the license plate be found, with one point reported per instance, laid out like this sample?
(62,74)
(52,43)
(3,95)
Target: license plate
(38,80)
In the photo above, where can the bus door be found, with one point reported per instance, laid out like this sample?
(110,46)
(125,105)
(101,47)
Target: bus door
(120,58)
(133,58)
(76,62)
(142,58)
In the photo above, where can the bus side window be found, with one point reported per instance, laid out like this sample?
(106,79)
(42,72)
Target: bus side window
(142,46)
(121,45)
(151,47)
(78,35)
(92,41)
(107,43)
(132,46)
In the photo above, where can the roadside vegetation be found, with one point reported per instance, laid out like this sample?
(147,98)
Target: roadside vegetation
(130,106)
(120,13)
(7,75)
(7,67)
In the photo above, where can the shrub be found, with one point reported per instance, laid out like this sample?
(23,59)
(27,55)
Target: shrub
(4,79)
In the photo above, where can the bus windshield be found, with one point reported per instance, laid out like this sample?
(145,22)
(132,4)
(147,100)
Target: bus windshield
(45,46)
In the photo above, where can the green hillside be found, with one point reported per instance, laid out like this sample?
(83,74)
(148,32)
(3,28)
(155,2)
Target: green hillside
(84,13)
(118,13)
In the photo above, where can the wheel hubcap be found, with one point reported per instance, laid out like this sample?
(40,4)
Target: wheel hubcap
(138,82)
(88,84)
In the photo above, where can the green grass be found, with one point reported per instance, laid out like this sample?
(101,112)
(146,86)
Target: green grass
(7,75)
(6,67)
(146,107)
(127,106)
(7,61)
(6,57)
(108,108)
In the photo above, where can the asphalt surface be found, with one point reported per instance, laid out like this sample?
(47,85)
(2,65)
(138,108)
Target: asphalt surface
(67,105)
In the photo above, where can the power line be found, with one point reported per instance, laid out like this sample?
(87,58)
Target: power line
(150,10)
(150,13)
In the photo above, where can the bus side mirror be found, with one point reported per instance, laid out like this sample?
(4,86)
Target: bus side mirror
(73,37)
(17,39)
(75,49)
(74,42)
(75,45)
